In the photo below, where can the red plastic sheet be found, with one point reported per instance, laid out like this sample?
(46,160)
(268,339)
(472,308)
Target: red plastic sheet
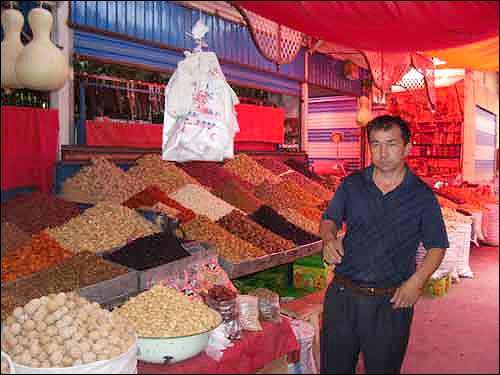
(391,26)
(251,353)
(110,133)
(260,124)
(30,137)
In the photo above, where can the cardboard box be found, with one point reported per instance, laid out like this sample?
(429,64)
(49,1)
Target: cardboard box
(309,278)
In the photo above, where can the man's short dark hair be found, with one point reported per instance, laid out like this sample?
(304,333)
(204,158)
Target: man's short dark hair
(386,122)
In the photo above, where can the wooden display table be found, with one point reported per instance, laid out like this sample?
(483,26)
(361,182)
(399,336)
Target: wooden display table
(256,351)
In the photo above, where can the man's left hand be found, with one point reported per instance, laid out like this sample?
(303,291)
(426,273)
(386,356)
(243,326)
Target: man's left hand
(407,294)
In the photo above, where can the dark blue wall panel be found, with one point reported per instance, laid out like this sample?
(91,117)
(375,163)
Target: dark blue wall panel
(327,72)
(127,52)
(167,23)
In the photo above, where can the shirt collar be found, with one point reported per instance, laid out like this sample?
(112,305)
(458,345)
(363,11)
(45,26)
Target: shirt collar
(407,183)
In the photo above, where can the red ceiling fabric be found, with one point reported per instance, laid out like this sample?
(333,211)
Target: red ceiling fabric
(391,26)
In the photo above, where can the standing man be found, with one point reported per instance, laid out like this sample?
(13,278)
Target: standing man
(388,211)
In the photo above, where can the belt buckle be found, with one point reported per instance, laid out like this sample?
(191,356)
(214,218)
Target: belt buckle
(371,291)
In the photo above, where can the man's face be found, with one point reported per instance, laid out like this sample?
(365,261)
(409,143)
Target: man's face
(388,149)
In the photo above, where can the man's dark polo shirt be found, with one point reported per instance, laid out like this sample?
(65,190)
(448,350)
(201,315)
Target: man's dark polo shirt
(384,231)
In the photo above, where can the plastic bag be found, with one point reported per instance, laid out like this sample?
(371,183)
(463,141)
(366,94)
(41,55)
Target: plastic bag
(248,307)
(269,305)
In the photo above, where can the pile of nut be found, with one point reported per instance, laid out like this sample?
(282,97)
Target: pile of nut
(154,171)
(228,246)
(164,312)
(202,202)
(103,181)
(64,330)
(251,171)
(12,237)
(102,227)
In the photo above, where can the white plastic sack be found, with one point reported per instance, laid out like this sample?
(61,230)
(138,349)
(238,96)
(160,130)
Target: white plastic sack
(490,225)
(448,265)
(477,225)
(124,364)
(12,369)
(304,332)
(463,264)
(200,120)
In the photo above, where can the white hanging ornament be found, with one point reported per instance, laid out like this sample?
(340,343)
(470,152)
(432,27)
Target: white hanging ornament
(41,65)
(363,116)
(11,47)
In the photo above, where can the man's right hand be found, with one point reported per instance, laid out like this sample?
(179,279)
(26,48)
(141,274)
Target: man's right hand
(333,251)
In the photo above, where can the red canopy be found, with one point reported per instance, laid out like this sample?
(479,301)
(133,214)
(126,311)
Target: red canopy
(391,26)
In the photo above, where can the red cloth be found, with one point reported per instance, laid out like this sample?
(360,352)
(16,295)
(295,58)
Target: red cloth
(251,353)
(111,133)
(30,137)
(254,146)
(392,26)
(260,124)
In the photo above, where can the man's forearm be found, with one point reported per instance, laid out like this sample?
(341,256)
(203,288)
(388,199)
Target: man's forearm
(431,262)
(328,230)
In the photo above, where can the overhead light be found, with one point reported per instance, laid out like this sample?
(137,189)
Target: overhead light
(437,61)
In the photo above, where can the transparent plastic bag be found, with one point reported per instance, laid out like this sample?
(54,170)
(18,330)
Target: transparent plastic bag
(269,304)
(248,307)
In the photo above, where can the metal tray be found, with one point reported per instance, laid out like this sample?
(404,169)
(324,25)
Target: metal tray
(109,290)
(235,270)
(199,253)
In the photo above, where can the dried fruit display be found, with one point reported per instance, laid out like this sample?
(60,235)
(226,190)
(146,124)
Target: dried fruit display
(312,187)
(103,227)
(64,330)
(12,237)
(251,171)
(300,194)
(300,220)
(275,166)
(313,214)
(272,220)
(275,196)
(102,181)
(152,196)
(148,252)
(154,171)
(286,194)
(165,312)
(242,226)
(236,194)
(202,202)
(228,246)
(40,252)
(211,174)
(33,212)
(72,273)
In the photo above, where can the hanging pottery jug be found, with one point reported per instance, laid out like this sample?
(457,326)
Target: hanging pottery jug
(12,23)
(364,115)
(41,65)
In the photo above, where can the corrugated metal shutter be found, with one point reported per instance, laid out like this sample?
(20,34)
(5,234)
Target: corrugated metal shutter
(484,155)
(326,116)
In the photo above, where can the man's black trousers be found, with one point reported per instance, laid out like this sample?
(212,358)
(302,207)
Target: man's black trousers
(354,323)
